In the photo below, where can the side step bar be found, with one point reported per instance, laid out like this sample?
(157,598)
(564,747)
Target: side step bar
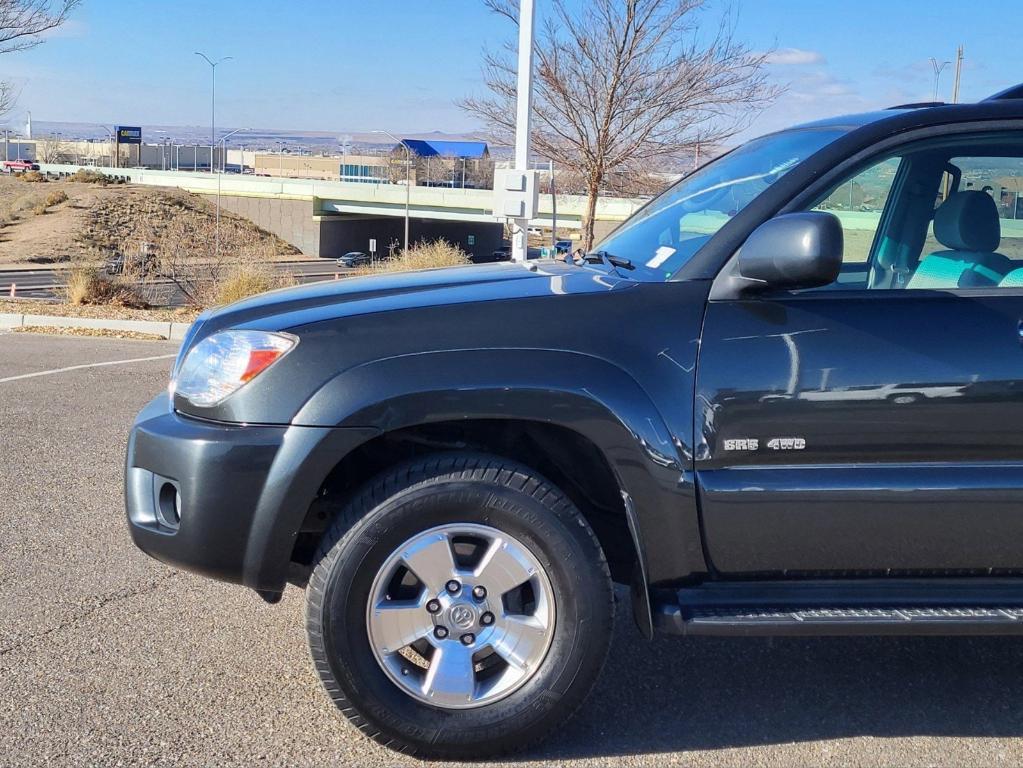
(867,607)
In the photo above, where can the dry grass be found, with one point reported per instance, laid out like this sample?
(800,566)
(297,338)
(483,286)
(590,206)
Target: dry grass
(54,330)
(32,177)
(85,176)
(88,285)
(56,197)
(244,280)
(422,255)
(41,307)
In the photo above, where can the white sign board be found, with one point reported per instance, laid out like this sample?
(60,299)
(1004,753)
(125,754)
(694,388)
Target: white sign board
(372,245)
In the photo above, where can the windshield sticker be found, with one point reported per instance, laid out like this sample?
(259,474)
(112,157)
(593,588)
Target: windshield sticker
(662,254)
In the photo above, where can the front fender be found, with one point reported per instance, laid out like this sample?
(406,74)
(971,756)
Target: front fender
(581,392)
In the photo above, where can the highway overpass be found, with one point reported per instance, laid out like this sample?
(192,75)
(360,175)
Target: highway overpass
(330,217)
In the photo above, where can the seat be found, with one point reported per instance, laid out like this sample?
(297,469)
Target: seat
(968,225)
(1012,280)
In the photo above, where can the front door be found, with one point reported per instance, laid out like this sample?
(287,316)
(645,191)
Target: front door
(876,426)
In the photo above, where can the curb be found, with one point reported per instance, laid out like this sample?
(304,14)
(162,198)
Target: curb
(170,331)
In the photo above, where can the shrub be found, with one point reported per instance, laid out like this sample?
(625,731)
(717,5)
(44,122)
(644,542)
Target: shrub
(56,197)
(244,280)
(39,208)
(422,255)
(32,177)
(88,176)
(88,285)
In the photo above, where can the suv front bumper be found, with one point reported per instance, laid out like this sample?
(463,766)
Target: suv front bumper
(226,500)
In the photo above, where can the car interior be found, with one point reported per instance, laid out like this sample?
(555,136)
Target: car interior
(940,220)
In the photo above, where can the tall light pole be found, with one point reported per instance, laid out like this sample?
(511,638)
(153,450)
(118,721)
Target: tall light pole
(937,67)
(220,176)
(213,112)
(408,179)
(524,111)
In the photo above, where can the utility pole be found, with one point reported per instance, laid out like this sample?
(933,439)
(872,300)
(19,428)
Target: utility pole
(524,111)
(959,70)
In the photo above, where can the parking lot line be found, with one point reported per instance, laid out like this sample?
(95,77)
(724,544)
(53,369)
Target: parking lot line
(87,365)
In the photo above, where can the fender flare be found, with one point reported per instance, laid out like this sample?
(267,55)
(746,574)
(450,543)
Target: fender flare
(583,393)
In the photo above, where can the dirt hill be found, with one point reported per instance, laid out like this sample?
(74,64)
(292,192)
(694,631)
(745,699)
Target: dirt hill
(95,221)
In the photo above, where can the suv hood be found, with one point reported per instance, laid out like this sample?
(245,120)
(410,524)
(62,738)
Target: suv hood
(293,307)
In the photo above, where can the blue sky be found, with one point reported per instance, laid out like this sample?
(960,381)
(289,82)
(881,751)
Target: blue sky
(352,65)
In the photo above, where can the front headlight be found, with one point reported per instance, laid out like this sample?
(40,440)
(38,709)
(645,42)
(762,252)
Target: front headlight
(223,363)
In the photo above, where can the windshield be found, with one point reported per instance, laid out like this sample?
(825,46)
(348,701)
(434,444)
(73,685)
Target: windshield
(663,235)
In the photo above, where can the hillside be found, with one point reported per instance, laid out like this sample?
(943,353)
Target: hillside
(95,221)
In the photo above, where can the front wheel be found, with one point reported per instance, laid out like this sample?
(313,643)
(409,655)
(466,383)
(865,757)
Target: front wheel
(461,607)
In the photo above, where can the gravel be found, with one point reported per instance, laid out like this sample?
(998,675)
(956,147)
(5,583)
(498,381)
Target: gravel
(110,658)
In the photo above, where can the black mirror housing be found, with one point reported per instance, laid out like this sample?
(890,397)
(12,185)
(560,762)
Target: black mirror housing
(794,250)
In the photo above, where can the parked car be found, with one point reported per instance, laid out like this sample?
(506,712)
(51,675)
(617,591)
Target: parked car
(457,464)
(354,259)
(502,253)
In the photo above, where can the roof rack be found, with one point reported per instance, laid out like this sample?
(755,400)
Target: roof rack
(1013,92)
(918,105)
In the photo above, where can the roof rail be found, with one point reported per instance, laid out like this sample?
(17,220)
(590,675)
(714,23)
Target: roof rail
(918,105)
(1013,92)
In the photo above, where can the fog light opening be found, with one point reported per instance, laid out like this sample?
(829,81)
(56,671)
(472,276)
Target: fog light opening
(170,505)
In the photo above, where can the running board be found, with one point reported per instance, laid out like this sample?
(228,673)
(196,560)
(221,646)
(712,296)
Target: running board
(883,607)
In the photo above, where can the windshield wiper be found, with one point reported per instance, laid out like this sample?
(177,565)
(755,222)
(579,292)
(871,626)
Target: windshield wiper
(603,257)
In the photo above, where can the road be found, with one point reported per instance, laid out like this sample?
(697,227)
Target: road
(108,657)
(43,283)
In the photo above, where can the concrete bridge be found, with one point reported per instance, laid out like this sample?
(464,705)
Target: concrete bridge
(328,218)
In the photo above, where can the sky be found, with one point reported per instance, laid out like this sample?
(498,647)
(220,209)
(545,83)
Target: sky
(352,65)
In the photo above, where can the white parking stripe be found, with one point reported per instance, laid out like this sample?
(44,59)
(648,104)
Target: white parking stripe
(88,365)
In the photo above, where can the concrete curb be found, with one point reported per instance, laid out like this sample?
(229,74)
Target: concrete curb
(171,331)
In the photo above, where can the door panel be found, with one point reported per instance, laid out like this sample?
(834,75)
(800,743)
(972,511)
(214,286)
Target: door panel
(862,432)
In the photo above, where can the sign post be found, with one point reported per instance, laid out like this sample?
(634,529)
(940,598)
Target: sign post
(127,134)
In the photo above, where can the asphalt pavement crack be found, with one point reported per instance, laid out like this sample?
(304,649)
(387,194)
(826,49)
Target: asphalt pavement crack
(114,597)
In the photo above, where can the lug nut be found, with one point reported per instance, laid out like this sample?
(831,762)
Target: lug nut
(468,638)
(433,606)
(440,632)
(487,619)
(453,587)
(479,593)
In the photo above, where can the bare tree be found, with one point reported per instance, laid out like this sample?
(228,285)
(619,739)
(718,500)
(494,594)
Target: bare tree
(53,149)
(625,84)
(22,26)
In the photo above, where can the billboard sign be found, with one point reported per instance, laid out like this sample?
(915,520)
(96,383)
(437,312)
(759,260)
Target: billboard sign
(128,134)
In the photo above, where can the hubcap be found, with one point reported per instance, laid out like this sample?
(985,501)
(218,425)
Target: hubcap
(455,649)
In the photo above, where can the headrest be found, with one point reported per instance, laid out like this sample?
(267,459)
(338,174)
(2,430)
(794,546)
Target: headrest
(968,221)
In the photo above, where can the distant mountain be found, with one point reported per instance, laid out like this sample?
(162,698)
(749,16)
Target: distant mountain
(257,139)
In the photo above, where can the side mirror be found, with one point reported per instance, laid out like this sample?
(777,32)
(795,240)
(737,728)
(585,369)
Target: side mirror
(794,250)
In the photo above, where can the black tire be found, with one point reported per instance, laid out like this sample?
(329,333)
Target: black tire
(412,498)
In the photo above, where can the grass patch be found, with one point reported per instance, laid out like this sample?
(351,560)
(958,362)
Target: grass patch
(88,285)
(87,176)
(243,281)
(32,177)
(422,255)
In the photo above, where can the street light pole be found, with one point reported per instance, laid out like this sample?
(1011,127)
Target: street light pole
(213,112)
(220,176)
(524,110)
(937,67)
(408,180)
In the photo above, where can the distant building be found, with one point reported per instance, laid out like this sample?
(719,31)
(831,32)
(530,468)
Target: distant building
(459,164)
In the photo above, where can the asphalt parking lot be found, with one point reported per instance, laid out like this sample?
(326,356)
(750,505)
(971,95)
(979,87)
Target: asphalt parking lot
(108,657)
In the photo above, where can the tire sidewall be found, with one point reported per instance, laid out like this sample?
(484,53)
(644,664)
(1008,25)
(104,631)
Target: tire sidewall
(563,549)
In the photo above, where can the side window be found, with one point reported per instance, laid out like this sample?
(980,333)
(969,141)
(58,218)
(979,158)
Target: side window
(944,214)
(1001,178)
(858,203)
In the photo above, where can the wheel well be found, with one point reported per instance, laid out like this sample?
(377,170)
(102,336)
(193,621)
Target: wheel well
(566,458)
